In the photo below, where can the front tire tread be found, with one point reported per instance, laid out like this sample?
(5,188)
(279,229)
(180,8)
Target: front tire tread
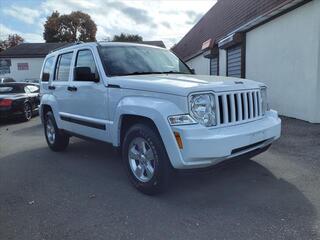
(163,168)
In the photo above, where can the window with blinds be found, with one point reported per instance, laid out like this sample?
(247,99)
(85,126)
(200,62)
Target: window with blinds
(214,66)
(234,62)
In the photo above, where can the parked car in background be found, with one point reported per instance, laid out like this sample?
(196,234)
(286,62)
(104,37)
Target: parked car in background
(33,80)
(6,80)
(19,100)
(148,103)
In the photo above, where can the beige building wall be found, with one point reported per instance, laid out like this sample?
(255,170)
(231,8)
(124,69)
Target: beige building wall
(284,54)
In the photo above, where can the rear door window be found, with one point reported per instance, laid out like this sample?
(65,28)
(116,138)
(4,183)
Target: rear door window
(63,67)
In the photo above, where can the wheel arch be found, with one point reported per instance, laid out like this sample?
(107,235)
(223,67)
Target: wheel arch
(148,110)
(128,120)
(49,103)
(45,108)
(153,111)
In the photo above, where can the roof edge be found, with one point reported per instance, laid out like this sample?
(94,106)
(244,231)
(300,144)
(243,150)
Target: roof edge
(278,11)
(22,56)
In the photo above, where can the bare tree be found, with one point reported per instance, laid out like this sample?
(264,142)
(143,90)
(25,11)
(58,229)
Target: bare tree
(11,41)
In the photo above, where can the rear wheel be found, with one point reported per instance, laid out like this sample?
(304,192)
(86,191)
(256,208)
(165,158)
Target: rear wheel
(27,112)
(57,140)
(145,159)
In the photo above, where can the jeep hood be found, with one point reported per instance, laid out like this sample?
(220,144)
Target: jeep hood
(180,84)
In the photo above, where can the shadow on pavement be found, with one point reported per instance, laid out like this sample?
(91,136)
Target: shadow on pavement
(14,120)
(83,193)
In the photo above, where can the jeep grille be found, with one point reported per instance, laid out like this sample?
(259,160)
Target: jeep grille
(238,107)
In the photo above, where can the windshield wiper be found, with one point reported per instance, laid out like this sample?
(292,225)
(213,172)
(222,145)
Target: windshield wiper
(173,72)
(144,73)
(138,73)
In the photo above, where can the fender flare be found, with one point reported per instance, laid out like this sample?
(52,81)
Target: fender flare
(50,100)
(155,109)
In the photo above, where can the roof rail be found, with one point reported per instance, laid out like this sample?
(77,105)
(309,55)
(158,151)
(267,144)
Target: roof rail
(67,45)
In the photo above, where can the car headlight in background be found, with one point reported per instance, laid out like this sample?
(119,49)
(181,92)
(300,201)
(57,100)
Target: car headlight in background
(264,99)
(202,109)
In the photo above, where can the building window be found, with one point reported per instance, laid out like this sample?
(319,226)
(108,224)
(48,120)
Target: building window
(23,66)
(214,66)
(5,66)
(235,61)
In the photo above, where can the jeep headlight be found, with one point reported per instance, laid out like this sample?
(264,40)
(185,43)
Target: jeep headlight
(264,99)
(202,109)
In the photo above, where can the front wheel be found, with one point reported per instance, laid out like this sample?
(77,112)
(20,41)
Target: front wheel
(145,159)
(57,140)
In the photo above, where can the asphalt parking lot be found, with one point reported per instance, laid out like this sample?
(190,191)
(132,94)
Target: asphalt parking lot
(83,193)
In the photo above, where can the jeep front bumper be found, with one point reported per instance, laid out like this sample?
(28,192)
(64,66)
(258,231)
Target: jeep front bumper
(203,147)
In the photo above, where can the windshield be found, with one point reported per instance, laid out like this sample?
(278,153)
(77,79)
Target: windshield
(134,60)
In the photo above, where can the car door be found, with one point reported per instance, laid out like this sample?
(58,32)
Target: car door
(88,98)
(33,94)
(59,88)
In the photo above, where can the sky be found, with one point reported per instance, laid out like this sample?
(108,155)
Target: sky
(167,20)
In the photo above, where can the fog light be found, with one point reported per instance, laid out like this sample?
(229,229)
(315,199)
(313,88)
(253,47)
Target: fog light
(183,119)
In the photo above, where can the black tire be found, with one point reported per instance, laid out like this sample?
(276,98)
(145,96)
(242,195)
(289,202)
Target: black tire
(161,163)
(60,141)
(27,112)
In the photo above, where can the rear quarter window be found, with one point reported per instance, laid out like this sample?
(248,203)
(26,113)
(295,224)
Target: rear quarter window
(47,69)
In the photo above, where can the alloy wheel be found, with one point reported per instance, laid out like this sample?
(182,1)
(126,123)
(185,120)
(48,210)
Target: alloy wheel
(50,131)
(141,159)
(27,111)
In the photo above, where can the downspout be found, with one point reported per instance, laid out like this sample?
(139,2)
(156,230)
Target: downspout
(317,116)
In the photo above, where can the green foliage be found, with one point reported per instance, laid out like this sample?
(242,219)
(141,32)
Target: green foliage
(76,26)
(127,38)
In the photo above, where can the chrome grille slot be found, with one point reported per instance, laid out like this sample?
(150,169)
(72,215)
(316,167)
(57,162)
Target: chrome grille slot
(238,107)
(250,106)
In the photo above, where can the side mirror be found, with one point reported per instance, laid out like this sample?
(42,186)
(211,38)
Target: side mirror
(192,71)
(84,74)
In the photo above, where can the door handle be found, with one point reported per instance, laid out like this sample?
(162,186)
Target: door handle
(72,89)
(52,87)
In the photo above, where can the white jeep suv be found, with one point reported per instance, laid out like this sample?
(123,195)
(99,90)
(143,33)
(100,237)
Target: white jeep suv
(147,102)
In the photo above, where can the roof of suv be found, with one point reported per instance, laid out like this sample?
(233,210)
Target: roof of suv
(94,44)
